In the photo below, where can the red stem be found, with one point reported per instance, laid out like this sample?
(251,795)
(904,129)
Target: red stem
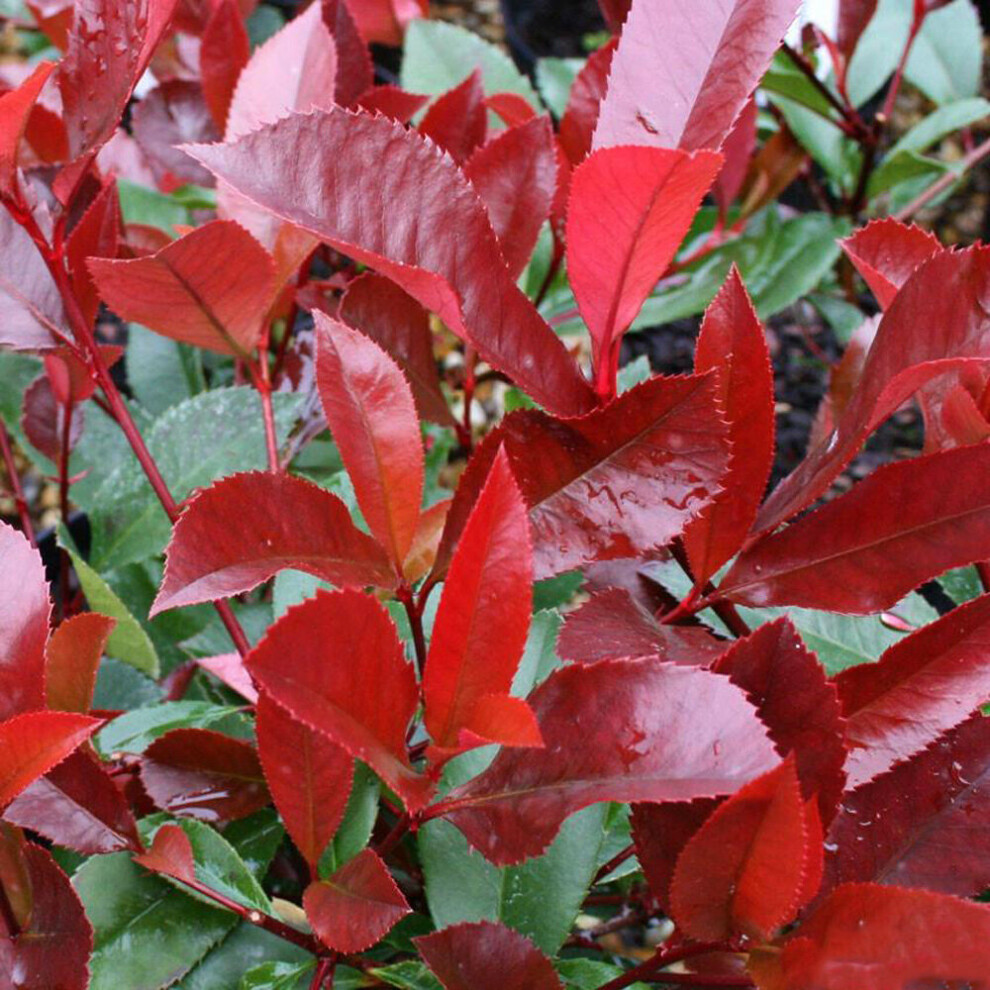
(617,860)
(262,382)
(888,104)
(936,188)
(65,441)
(15,485)
(415,614)
(324,968)
(651,969)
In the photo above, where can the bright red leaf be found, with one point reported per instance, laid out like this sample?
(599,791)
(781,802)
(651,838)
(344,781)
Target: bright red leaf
(577,126)
(384,22)
(72,658)
(15,109)
(224,51)
(458,120)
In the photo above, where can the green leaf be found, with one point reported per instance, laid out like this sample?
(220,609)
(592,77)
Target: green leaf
(254,617)
(246,950)
(409,975)
(947,57)
(837,154)
(356,826)
(134,732)
(17,371)
(147,934)
(291,588)
(945,120)
(556,591)
(139,204)
(256,839)
(589,974)
(263,23)
(784,78)
(161,372)
(539,659)
(904,168)
(274,976)
(962,585)
(120,687)
(634,373)
(554,78)
(841,316)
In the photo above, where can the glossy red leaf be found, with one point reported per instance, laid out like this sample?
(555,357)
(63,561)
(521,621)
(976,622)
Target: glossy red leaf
(489,587)
(224,51)
(515,175)
(673,734)
(887,253)
(854,15)
(287,169)
(797,704)
(486,955)
(308,775)
(401,327)
(391,101)
(71,660)
(77,805)
(733,342)
(229,668)
(458,120)
(577,126)
(355,69)
(97,235)
(15,109)
(197,773)
(292,524)
(742,872)
(684,70)
(738,150)
(25,610)
(170,854)
(180,291)
(905,523)
(866,937)
(364,700)
(357,906)
(43,420)
(657,453)
(370,410)
(925,684)
(53,949)
(34,742)
(924,823)
(629,211)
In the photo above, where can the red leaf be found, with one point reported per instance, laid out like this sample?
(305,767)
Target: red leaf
(902,525)
(511,107)
(355,70)
(515,175)
(738,149)
(743,871)
(672,734)
(426,541)
(732,341)
(925,684)
(182,293)
(15,109)
(293,524)
(43,420)
(854,15)
(489,587)
(923,824)
(309,778)
(371,413)
(629,211)
(311,171)
(71,661)
(223,53)
(77,805)
(364,700)
(575,473)
(70,378)
(384,22)
(887,253)
(391,101)
(458,120)
(614,12)
(53,949)
(24,613)
(98,234)
(171,854)
(401,327)
(684,70)
(197,773)
(34,742)
(797,704)
(355,907)
(577,126)
(486,955)
(865,937)
(962,422)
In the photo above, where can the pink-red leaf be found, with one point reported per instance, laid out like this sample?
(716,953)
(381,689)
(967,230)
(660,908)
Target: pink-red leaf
(312,171)
(458,121)
(181,292)
(577,126)
(15,109)
(355,69)
(738,149)
(486,955)
(71,660)
(357,906)
(489,587)
(288,523)
(369,407)
(308,775)
(733,342)
(672,734)
(364,700)
(229,668)
(43,420)
(224,51)
(684,70)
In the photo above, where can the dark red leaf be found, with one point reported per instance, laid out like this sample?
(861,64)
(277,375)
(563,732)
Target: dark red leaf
(733,342)
(197,773)
(371,413)
(171,854)
(43,420)
(391,101)
(70,378)
(629,211)
(458,121)
(577,126)
(515,175)
(77,805)
(854,15)
(293,524)
(902,525)
(364,700)
(71,660)
(308,775)
(24,613)
(52,950)
(657,453)
(486,955)
(15,109)
(97,235)
(742,872)
(684,70)
(614,12)
(355,70)
(357,906)
(224,51)
(489,587)
(672,734)
(738,149)
(887,253)
(311,171)
(925,684)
